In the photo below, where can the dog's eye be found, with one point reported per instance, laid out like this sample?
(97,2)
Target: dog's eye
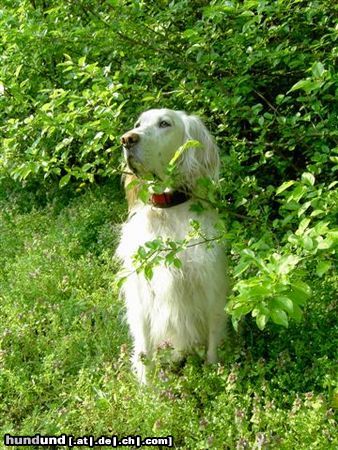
(164,124)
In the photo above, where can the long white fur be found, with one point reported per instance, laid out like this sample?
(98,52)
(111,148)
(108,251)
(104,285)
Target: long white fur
(183,307)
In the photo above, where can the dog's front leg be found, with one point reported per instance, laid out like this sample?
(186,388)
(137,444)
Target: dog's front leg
(142,352)
(139,363)
(217,329)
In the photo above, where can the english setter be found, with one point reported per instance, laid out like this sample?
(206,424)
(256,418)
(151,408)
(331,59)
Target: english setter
(181,306)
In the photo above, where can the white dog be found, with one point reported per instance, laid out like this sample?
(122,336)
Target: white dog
(180,306)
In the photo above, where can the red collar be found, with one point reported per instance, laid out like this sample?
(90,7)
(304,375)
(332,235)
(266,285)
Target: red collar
(168,199)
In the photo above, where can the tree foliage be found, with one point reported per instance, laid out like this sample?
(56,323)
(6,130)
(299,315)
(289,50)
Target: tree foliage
(74,75)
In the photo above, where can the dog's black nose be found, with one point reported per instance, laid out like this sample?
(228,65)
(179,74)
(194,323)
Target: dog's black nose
(129,139)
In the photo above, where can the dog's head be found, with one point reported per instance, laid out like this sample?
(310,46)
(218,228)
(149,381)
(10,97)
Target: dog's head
(156,137)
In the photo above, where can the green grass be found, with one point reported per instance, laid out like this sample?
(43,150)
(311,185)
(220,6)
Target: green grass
(64,351)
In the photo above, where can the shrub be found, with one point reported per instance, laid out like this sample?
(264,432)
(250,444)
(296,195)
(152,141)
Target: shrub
(75,75)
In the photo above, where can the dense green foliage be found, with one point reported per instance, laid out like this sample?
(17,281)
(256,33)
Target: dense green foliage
(73,77)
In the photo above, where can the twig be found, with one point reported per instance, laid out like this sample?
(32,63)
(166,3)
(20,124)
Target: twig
(214,205)
(266,101)
(168,249)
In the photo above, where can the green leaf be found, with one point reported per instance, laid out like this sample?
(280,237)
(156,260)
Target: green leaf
(177,263)
(303,208)
(323,267)
(307,243)
(86,167)
(261,321)
(144,194)
(308,178)
(260,309)
(300,292)
(307,85)
(239,309)
(282,302)
(82,61)
(303,226)
(148,98)
(279,317)
(25,172)
(287,263)
(259,291)
(186,146)
(141,252)
(333,235)
(64,180)
(241,267)
(155,244)
(297,313)
(333,184)
(284,186)
(234,322)
(318,69)
(297,193)
(148,272)
(325,243)
(18,70)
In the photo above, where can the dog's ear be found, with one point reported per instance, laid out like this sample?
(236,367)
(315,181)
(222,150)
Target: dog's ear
(132,192)
(202,161)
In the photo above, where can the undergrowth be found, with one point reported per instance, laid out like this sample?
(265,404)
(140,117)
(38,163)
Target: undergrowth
(65,348)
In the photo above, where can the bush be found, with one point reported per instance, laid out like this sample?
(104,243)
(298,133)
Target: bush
(75,75)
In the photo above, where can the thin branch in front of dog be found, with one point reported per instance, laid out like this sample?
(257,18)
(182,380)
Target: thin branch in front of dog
(160,251)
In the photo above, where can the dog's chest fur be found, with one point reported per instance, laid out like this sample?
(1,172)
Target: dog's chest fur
(174,304)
